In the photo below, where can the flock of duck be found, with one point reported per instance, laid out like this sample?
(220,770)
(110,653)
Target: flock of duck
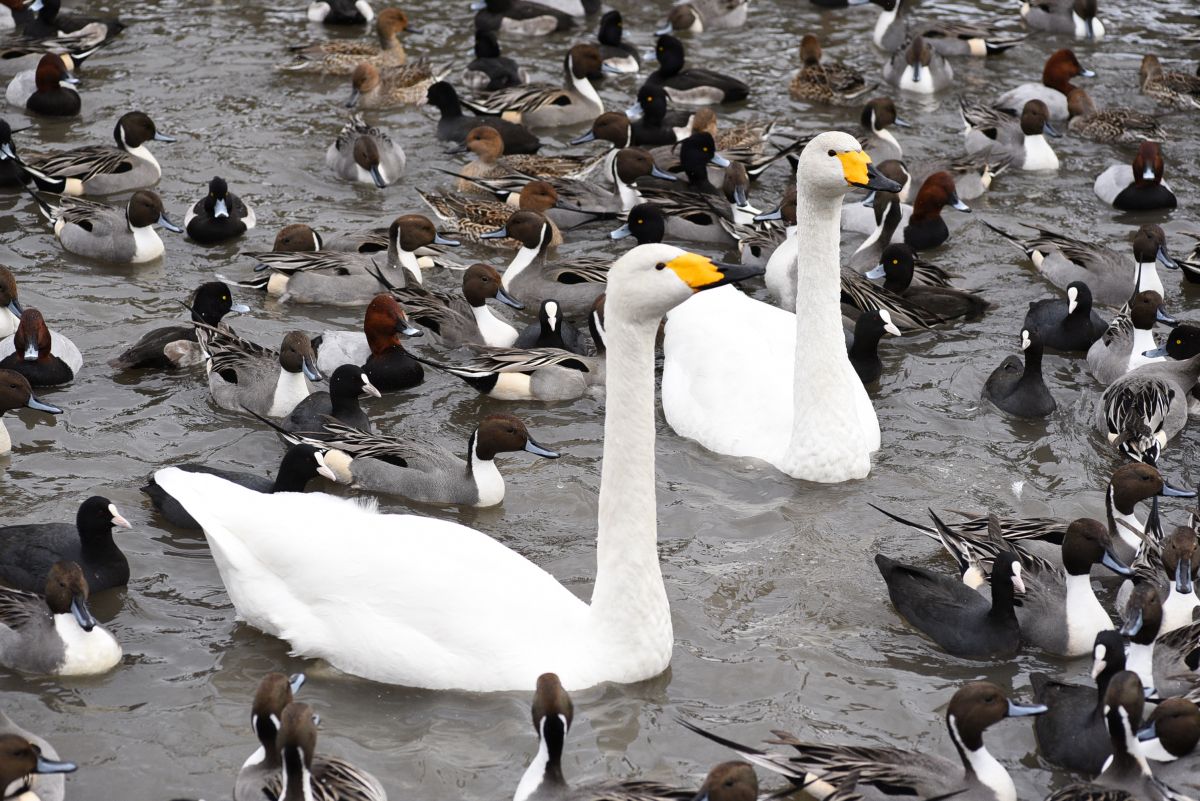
(797,374)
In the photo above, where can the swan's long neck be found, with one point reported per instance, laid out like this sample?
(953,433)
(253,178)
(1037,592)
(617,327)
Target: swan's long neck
(629,612)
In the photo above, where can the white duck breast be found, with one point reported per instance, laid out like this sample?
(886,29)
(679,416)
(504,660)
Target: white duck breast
(1038,154)
(87,652)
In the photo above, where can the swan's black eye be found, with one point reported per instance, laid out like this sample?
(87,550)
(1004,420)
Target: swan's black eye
(832,154)
(659,266)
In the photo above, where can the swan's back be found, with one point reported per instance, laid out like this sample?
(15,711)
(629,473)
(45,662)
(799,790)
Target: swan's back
(396,598)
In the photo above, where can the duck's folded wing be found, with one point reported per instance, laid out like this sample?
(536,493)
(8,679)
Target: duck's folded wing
(581,270)
(337,262)
(85,162)
(519,98)
(337,780)
(865,295)
(523,360)
(96,217)
(19,608)
(893,770)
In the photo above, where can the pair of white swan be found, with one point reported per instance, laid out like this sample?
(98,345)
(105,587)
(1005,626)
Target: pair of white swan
(751,391)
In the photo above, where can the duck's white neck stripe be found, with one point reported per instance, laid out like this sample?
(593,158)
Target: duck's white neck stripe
(584,87)
(991,773)
(523,259)
(531,780)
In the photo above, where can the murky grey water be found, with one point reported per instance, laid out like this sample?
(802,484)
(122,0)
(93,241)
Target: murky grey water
(780,617)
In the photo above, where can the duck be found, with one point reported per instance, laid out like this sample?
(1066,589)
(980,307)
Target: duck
(649,122)
(108,233)
(397,86)
(491,162)
(862,343)
(175,346)
(365,154)
(1060,68)
(29,550)
(275,692)
(520,18)
(1169,741)
(918,68)
(474,218)
(1177,564)
(454,126)
(691,86)
(341,12)
(1075,17)
(1176,90)
(1073,733)
(49,23)
(530,277)
(694,210)
(973,173)
(103,169)
(893,29)
(1165,663)
(300,464)
(1144,409)
(1125,343)
(1112,124)
(824,430)
(426,473)
(66,642)
(523,374)
(926,229)
(1018,141)
(502,621)
(346,385)
(218,216)
(897,267)
(47,786)
(46,359)
(1017,388)
(491,71)
(831,82)
(16,393)
(619,55)
(550,331)
(543,106)
(266,382)
(23,766)
(1064,259)
(341,57)
(303,772)
(696,16)
(877,116)
(1143,188)
(378,348)
(883,771)
(1067,325)
(463,319)
(41,91)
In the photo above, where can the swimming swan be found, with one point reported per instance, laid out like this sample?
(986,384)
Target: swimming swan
(431,603)
(736,394)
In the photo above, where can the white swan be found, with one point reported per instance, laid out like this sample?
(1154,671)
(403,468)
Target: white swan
(752,392)
(430,603)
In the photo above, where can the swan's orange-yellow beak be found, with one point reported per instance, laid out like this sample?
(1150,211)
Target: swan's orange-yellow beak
(700,272)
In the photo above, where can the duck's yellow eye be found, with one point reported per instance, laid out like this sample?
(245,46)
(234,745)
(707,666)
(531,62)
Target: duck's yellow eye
(895,261)
(706,150)
(639,222)
(1179,342)
(650,99)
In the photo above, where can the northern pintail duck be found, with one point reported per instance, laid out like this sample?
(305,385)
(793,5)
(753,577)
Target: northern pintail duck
(1073,733)
(520,18)
(275,692)
(1141,188)
(175,346)
(500,618)
(1126,341)
(104,169)
(341,57)
(884,771)
(347,384)
(696,16)
(1112,124)
(364,154)
(454,126)
(862,343)
(1173,564)
(490,161)
(396,86)
(544,106)
(299,465)
(828,82)
(45,358)
(218,216)
(425,473)
(475,218)
(378,348)
(1170,741)
(1020,141)
(893,29)
(1064,260)
(897,267)
(1165,662)
(55,634)
(266,381)
(1075,17)
(533,279)
(341,12)
(107,233)
(694,86)
(1169,87)
(877,116)
(28,550)
(926,229)
(1060,68)
(463,319)
(23,769)
(20,55)
(1144,409)
(16,393)
(523,374)
(919,68)
(1067,324)
(1020,389)
(45,90)
(47,786)
(490,70)
(617,53)
(304,775)
(50,23)
(551,330)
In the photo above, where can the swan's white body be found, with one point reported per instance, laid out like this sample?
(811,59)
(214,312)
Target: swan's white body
(752,392)
(430,603)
